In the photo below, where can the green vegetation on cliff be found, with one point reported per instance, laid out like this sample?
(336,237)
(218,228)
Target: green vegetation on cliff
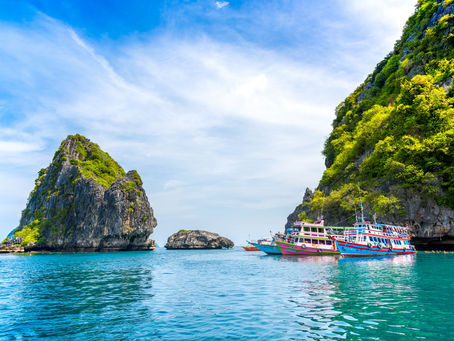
(393,136)
(94,163)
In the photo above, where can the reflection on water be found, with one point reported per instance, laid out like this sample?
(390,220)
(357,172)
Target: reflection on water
(219,294)
(310,259)
(400,259)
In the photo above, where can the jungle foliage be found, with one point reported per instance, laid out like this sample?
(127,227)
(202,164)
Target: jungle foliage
(394,134)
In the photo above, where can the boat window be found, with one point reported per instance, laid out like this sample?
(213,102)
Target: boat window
(322,242)
(308,241)
(307,229)
(328,242)
(364,238)
(313,229)
(315,241)
(320,230)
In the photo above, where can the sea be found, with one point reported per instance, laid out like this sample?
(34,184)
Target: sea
(225,295)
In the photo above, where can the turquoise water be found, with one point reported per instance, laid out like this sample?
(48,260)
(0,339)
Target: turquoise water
(225,294)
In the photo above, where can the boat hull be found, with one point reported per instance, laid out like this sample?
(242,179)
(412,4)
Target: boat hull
(268,249)
(250,248)
(294,249)
(358,250)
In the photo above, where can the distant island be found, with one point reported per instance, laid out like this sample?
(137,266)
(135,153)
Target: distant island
(197,239)
(84,201)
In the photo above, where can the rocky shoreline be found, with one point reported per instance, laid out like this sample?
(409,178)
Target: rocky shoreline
(11,249)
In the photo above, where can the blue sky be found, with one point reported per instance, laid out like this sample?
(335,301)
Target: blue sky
(222,106)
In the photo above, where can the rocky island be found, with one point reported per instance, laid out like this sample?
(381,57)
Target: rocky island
(84,201)
(392,143)
(197,239)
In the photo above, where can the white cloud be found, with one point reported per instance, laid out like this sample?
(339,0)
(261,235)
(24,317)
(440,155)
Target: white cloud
(17,147)
(221,4)
(386,17)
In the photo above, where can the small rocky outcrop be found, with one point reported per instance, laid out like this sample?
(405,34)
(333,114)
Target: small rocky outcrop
(84,201)
(301,211)
(197,239)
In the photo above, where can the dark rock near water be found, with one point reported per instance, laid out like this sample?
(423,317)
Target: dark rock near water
(197,239)
(303,207)
(84,201)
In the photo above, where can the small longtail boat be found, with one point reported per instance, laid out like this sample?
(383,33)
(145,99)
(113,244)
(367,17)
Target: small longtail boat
(312,239)
(250,248)
(372,239)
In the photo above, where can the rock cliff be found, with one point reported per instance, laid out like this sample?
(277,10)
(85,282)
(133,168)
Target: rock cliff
(392,143)
(84,201)
(197,239)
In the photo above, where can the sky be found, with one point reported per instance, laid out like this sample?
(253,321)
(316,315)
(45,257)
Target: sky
(221,106)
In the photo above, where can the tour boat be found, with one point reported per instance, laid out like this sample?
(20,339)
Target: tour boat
(312,239)
(268,246)
(372,239)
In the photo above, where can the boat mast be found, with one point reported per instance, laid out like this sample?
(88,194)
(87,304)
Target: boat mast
(362,212)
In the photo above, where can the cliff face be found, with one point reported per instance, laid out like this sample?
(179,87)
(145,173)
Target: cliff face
(197,239)
(84,201)
(392,143)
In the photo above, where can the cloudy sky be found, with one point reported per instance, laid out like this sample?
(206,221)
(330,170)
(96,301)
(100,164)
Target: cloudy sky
(222,106)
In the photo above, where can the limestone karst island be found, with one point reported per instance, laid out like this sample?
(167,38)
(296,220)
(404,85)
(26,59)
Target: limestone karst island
(84,201)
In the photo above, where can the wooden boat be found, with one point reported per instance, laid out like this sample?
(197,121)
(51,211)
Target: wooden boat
(267,246)
(372,239)
(250,248)
(312,239)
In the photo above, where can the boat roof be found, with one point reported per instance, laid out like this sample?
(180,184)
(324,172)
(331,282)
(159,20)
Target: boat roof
(324,227)
(381,224)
